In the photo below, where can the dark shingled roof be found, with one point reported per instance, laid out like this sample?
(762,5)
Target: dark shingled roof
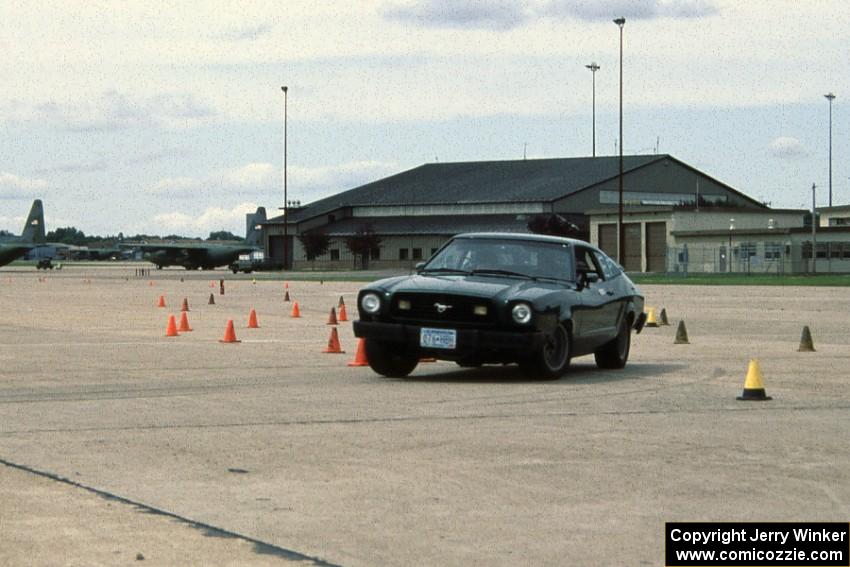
(534,180)
(447,225)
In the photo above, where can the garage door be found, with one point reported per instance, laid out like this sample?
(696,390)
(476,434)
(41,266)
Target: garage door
(607,239)
(656,247)
(633,247)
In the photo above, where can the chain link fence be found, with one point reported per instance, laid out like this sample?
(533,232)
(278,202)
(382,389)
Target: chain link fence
(759,258)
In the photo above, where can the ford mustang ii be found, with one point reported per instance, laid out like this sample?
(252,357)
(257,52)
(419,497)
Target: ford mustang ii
(483,298)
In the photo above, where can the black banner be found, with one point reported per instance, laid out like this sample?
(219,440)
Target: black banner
(757,544)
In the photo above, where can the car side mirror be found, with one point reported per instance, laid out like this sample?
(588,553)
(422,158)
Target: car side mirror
(591,277)
(418,267)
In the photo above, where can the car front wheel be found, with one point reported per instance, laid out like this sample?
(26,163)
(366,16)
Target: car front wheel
(390,360)
(615,354)
(553,358)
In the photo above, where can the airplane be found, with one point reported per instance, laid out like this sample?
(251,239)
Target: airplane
(204,256)
(31,237)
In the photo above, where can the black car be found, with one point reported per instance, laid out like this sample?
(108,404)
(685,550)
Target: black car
(500,298)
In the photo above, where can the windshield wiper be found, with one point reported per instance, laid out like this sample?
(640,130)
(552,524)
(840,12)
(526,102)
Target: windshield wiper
(495,272)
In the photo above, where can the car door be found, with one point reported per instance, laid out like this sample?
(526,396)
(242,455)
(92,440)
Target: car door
(598,314)
(610,290)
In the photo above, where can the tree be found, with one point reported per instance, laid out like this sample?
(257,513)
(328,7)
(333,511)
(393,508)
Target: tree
(315,243)
(362,243)
(223,235)
(68,235)
(552,224)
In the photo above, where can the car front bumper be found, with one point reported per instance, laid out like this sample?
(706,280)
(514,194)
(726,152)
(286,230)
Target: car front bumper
(471,343)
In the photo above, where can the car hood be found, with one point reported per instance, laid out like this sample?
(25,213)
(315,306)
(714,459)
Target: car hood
(496,287)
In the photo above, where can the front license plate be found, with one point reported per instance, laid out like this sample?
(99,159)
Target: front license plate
(438,338)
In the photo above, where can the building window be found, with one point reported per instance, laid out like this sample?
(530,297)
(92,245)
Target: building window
(822,250)
(375,254)
(747,250)
(772,251)
(835,249)
(334,254)
(403,253)
(417,253)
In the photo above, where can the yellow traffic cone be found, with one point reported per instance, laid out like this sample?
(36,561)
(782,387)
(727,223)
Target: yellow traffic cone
(651,319)
(753,385)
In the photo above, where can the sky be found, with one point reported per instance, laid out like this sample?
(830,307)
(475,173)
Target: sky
(162,117)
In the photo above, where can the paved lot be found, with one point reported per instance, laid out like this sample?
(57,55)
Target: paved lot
(298,459)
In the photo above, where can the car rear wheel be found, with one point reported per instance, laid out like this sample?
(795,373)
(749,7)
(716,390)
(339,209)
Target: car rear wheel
(553,358)
(390,360)
(615,353)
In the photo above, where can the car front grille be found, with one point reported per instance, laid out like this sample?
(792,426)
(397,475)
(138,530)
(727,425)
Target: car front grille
(438,308)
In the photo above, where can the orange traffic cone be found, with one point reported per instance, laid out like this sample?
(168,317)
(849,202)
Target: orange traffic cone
(360,355)
(342,315)
(296,313)
(171,329)
(184,323)
(150,283)
(286,296)
(161,301)
(229,333)
(212,300)
(333,344)
(285,285)
(185,305)
(252,320)
(332,318)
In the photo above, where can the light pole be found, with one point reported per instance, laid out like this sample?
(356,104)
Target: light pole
(621,236)
(830,97)
(593,69)
(285,199)
(729,253)
(814,233)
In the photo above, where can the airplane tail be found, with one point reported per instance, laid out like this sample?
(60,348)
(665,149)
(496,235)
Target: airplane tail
(253,228)
(34,227)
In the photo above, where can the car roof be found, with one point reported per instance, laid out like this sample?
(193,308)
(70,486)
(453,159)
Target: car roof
(525,236)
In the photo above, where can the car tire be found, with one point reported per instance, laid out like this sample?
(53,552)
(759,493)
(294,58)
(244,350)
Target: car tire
(614,354)
(390,360)
(553,358)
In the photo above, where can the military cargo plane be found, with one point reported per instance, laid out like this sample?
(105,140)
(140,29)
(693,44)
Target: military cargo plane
(203,256)
(31,237)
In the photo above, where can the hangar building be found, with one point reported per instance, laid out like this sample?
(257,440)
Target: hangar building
(414,212)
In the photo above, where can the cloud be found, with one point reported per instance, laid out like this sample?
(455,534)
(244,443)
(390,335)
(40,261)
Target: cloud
(251,175)
(247,33)
(490,14)
(502,15)
(210,220)
(594,10)
(252,178)
(308,184)
(75,167)
(787,147)
(176,187)
(16,187)
(112,111)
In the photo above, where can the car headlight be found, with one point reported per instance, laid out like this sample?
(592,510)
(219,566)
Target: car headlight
(521,313)
(370,303)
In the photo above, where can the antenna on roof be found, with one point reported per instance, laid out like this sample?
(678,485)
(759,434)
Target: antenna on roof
(524,151)
(657,142)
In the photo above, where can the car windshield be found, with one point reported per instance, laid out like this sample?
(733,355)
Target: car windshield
(529,258)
